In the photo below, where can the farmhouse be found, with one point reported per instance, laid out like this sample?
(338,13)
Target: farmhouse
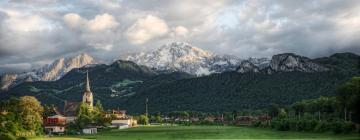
(55,124)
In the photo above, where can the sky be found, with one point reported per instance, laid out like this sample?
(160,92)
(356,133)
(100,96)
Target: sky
(36,32)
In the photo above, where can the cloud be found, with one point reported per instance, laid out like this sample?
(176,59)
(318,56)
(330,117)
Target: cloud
(74,20)
(102,22)
(17,21)
(99,32)
(97,24)
(145,29)
(181,31)
(49,29)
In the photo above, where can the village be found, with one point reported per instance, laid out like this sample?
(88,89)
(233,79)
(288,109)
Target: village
(57,122)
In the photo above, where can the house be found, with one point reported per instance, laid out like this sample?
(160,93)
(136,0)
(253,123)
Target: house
(89,130)
(124,122)
(118,114)
(244,120)
(55,124)
(120,119)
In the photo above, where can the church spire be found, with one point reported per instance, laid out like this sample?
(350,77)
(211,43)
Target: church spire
(87,82)
(88,97)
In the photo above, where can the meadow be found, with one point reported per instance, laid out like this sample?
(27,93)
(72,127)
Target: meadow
(202,132)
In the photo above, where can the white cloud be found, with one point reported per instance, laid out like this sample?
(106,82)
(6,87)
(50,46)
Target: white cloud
(181,31)
(102,22)
(24,22)
(145,29)
(99,32)
(99,23)
(74,20)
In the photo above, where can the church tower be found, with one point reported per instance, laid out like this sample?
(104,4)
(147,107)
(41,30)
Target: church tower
(88,96)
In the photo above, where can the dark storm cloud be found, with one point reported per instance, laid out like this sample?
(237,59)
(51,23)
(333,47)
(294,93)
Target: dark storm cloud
(35,32)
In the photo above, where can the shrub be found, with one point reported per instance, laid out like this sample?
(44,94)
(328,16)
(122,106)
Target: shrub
(340,126)
(322,127)
(281,124)
(7,136)
(310,125)
(348,127)
(294,124)
(336,127)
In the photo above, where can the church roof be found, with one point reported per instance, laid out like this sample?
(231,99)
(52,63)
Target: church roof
(71,108)
(87,89)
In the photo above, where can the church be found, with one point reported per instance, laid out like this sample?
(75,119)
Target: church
(57,122)
(71,108)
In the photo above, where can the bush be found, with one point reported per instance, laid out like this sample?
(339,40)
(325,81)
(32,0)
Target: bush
(7,136)
(281,124)
(310,125)
(340,126)
(348,127)
(294,124)
(336,127)
(322,127)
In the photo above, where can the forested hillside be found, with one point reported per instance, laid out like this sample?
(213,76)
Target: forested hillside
(126,85)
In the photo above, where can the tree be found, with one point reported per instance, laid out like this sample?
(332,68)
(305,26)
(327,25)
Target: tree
(30,111)
(143,119)
(274,110)
(348,96)
(184,115)
(158,118)
(84,116)
(99,115)
(21,116)
(234,114)
(299,108)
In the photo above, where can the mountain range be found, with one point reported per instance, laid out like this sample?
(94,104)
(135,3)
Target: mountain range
(50,72)
(179,76)
(183,57)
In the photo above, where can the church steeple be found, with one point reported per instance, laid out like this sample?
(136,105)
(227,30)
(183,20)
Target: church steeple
(87,82)
(88,96)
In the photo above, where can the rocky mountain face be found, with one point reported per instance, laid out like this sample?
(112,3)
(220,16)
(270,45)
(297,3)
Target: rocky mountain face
(183,57)
(290,62)
(61,66)
(286,62)
(50,72)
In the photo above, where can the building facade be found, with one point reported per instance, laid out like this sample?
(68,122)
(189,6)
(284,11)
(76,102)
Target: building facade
(55,124)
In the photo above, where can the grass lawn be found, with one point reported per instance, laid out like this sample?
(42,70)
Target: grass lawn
(202,132)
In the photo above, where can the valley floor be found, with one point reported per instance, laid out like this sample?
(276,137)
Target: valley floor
(202,132)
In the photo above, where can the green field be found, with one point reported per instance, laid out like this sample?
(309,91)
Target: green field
(202,132)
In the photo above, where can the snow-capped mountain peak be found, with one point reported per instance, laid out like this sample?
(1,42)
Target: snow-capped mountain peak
(181,56)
